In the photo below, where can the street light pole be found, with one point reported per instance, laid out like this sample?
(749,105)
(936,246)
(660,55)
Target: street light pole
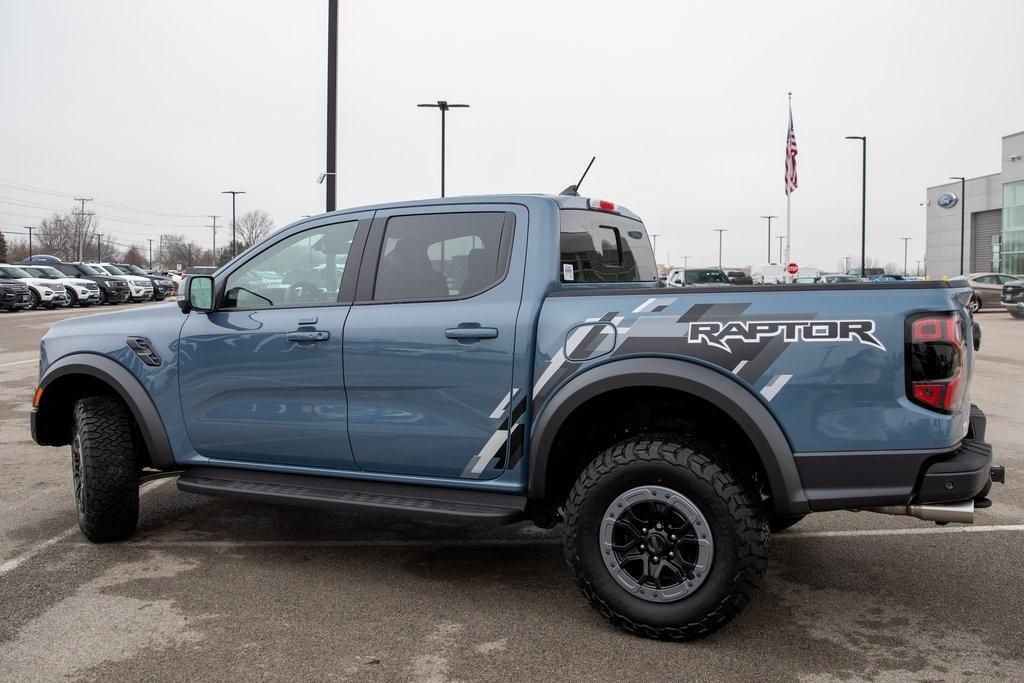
(151,254)
(214,226)
(29,228)
(963,199)
(769,236)
(98,242)
(720,231)
(332,104)
(444,107)
(863,201)
(654,239)
(906,244)
(234,244)
(780,238)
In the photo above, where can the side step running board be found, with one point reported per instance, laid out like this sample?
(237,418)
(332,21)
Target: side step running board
(355,495)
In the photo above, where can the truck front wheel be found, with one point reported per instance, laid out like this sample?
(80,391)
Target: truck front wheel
(104,469)
(664,541)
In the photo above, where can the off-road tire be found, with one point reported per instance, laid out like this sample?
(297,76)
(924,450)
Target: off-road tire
(104,469)
(777,523)
(1019,315)
(37,302)
(725,498)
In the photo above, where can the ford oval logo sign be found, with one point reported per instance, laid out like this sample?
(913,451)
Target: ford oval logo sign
(946,200)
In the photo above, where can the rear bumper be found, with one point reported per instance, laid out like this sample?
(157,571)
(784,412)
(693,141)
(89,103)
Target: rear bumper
(1013,305)
(842,481)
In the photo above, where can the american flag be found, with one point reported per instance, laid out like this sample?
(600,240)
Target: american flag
(790,156)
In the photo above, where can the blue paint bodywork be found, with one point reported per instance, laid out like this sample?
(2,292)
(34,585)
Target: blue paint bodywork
(390,398)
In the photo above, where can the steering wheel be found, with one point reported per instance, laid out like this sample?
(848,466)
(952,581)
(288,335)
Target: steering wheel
(302,292)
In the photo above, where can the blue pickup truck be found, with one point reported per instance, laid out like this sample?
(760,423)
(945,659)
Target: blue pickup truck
(500,358)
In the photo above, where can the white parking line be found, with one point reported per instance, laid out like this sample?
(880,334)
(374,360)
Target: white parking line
(418,543)
(10,565)
(19,362)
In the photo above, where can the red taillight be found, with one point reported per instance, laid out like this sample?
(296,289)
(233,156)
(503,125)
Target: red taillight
(601,204)
(936,355)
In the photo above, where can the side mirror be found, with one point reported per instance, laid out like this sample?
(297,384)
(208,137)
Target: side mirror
(198,294)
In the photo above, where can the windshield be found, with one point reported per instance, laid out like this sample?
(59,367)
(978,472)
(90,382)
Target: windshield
(88,270)
(45,273)
(134,270)
(708,276)
(11,271)
(113,270)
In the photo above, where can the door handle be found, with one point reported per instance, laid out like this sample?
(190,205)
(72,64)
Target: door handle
(309,335)
(470,333)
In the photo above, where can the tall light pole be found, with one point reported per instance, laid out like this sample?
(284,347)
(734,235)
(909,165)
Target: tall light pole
(151,254)
(332,107)
(98,242)
(654,246)
(234,244)
(963,199)
(780,238)
(769,236)
(214,226)
(863,201)
(720,231)
(29,228)
(444,107)
(906,244)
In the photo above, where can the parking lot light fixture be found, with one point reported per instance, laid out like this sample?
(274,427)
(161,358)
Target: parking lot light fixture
(234,244)
(443,106)
(863,201)
(720,231)
(906,243)
(769,236)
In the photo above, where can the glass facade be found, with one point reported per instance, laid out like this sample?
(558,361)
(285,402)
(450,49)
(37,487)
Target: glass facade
(1011,247)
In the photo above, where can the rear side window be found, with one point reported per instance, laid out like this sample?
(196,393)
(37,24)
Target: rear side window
(442,256)
(603,247)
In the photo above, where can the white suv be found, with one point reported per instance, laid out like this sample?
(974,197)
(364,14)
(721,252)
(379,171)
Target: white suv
(44,293)
(80,292)
(141,287)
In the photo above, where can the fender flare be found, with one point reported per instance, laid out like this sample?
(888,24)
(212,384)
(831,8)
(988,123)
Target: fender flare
(732,398)
(131,391)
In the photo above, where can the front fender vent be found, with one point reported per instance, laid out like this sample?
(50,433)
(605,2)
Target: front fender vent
(144,350)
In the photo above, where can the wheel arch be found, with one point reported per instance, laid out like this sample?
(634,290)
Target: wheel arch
(726,394)
(82,374)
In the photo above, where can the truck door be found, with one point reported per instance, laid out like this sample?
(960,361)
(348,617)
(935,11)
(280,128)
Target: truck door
(261,377)
(429,345)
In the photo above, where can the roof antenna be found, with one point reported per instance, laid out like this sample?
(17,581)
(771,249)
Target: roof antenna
(572,190)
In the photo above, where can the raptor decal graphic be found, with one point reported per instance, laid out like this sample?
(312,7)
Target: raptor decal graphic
(719,334)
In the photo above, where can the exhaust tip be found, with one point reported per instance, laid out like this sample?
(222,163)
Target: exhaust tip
(941,513)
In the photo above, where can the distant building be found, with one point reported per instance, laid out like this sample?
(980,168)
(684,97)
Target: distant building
(993,219)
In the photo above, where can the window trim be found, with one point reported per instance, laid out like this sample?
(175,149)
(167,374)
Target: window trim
(367,283)
(348,279)
(580,284)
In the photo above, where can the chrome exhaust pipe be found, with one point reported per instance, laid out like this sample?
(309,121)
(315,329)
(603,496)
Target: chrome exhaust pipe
(942,513)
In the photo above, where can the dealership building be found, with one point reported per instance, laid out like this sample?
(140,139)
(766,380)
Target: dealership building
(993,219)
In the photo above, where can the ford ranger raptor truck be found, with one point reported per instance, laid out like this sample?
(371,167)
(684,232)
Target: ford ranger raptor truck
(499,358)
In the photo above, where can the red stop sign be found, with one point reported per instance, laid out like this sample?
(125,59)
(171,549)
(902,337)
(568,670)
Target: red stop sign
(793,268)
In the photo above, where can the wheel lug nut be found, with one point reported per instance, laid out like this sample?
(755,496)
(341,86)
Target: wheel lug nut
(655,558)
(659,525)
(642,548)
(671,554)
(644,530)
(673,537)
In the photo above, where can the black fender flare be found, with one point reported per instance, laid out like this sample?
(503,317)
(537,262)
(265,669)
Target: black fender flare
(127,386)
(727,394)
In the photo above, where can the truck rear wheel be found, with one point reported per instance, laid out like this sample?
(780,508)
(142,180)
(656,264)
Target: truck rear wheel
(662,540)
(104,469)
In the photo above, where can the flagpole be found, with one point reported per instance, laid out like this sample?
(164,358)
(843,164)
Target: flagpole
(789,95)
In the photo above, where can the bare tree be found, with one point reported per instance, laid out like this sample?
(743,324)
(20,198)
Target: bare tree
(251,227)
(3,248)
(133,255)
(179,250)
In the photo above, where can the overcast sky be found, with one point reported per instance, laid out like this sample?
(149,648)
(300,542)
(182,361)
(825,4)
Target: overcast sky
(161,105)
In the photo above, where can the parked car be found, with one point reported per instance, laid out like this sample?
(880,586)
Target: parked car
(163,287)
(553,380)
(45,294)
(697,277)
(806,280)
(112,290)
(988,289)
(738,277)
(890,278)
(14,294)
(81,292)
(768,274)
(1013,297)
(839,279)
(869,273)
(140,288)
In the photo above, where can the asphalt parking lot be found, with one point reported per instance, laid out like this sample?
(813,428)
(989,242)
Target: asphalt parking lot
(221,590)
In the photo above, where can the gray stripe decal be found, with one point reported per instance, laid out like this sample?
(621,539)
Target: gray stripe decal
(775,386)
